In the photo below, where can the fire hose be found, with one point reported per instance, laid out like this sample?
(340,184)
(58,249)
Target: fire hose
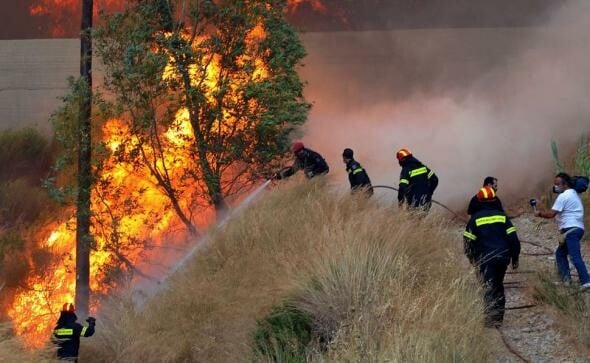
(512,285)
(456,215)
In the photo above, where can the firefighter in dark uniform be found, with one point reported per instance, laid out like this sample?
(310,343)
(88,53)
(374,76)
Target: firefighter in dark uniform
(312,163)
(357,175)
(416,183)
(67,333)
(491,244)
(475,204)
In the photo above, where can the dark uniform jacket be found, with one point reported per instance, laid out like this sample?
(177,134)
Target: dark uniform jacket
(476,205)
(67,333)
(416,183)
(358,177)
(309,161)
(490,234)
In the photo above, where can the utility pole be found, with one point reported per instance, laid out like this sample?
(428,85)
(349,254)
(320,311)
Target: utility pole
(83,237)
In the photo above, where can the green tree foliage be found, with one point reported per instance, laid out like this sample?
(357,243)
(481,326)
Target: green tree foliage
(582,162)
(227,68)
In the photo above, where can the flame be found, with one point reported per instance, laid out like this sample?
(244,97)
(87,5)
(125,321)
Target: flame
(129,209)
(64,14)
(316,5)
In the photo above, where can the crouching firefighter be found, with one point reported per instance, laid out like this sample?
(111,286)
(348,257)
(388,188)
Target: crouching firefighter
(417,182)
(357,175)
(67,333)
(491,244)
(312,163)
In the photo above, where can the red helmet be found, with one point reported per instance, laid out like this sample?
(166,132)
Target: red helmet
(402,154)
(486,193)
(68,308)
(297,146)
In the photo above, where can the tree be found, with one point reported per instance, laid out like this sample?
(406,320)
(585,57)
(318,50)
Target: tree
(221,77)
(83,213)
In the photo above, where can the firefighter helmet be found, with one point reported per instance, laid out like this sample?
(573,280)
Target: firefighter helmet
(68,308)
(486,193)
(297,146)
(402,154)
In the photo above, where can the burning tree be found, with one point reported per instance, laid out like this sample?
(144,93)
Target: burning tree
(222,75)
(205,96)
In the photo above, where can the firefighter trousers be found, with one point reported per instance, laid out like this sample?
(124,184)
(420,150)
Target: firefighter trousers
(492,272)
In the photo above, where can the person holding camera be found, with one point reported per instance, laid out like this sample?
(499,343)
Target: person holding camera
(569,210)
(67,333)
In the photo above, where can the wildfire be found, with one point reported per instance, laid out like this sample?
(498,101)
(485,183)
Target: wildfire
(131,211)
(64,14)
(316,5)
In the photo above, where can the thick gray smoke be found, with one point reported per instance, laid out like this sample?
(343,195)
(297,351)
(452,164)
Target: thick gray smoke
(468,102)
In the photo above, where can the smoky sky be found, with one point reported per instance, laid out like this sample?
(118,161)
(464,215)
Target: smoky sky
(340,15)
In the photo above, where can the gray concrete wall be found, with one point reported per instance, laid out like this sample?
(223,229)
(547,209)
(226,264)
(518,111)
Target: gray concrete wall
(33,74)
(391,64)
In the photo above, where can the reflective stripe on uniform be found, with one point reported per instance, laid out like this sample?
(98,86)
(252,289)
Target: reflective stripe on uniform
(511,230)
(83,330)
(356,171)
(469,235)
(404,181)
(64,332)
(419,171)
(430,174)
(490,220)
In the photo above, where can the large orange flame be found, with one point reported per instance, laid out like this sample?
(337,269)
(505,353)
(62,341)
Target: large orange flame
(129,208)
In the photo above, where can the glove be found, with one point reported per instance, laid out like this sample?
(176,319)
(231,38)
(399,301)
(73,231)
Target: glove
(514,264)
(91,320)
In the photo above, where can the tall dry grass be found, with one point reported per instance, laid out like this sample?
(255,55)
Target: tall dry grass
(376,286)
(12,349)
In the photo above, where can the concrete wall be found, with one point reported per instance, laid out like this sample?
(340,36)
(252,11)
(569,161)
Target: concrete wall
(33,74)
(389,64)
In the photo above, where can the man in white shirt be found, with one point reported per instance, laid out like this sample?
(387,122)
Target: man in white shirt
(569,210)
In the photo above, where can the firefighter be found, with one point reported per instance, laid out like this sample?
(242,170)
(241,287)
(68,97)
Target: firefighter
(312,163)
(417,182)
(67,333)
(491,244)
(357,175)
(475,204)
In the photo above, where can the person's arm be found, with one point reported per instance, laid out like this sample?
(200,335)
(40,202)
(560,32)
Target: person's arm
(549,214)
(88,331)
(555,210)
(469,241)
(472,208)
(404,184)
(432,181)
(513,243)
(353,175)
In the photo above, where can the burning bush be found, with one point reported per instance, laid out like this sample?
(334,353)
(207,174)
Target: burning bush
(205,100)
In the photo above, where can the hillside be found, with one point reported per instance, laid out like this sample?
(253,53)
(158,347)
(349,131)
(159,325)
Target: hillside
(358,279)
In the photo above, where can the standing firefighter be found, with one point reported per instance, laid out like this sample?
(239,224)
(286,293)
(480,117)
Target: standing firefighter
(312,163)
(357,175)
(67,333)
(491,244)
(416,183)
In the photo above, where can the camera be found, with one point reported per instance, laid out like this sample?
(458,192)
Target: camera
(533,203)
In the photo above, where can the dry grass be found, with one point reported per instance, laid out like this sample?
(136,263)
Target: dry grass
(13,350)
(378,285)
(570,303)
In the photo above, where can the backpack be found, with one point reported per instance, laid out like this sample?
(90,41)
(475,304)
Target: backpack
(581,183)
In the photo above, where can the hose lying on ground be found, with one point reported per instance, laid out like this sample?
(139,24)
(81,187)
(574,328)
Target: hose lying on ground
(433,201)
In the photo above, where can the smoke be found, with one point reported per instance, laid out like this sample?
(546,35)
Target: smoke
(468,102)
